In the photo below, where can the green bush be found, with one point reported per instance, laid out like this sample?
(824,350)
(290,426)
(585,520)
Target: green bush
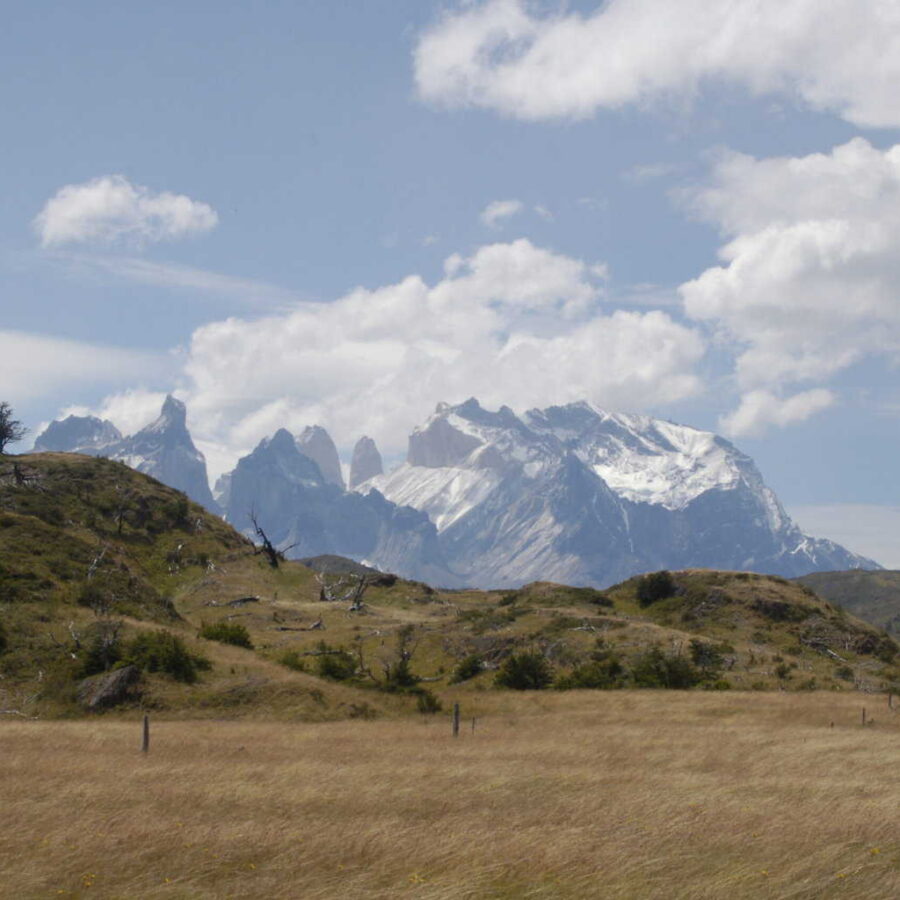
(427,703)
(597,674)
(336,664)
(227,633)
(655,669)
(468,668)
(709,657)
(655,586)
(527,671)
(293,660)
(162,651)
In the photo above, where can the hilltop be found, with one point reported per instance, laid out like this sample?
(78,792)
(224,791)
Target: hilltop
(104,568)
(871,595)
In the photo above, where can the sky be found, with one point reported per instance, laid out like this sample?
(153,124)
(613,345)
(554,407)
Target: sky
(290,213)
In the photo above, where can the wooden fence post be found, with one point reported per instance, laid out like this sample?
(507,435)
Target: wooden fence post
(145,743)
(864,715)
(455,720)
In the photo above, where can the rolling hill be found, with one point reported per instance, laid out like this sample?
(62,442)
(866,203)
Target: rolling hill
(104,569)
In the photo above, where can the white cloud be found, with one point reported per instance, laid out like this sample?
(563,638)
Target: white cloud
(504,55)
(810,274)
(35,365)
(495,213)
(111,210)
(760,409)
(649,172)
(512,323)
(170,275)
(129,410)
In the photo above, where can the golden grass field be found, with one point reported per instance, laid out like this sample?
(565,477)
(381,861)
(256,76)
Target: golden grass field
(621,794)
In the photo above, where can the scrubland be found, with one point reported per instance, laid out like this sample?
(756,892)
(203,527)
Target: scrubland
(615,794)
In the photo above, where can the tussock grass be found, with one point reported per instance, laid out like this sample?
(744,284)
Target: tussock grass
(607,795)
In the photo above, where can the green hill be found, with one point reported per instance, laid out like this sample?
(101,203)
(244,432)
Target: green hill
(872,595)
(104,570)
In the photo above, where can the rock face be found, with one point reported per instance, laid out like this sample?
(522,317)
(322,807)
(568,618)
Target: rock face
(163,450)
(578,495)
(78,434)
(299,509)
(109,688)
(366,462)
(316,443)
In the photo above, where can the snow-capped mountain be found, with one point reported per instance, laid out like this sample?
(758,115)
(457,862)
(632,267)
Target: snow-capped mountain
(163,449)
(298,508)
(78,434)
(579,495)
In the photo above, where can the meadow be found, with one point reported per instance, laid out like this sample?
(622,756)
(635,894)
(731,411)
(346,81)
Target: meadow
(616,794)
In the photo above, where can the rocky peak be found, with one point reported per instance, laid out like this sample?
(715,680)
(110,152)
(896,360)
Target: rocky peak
(77,434)
(366,462)
(315,442)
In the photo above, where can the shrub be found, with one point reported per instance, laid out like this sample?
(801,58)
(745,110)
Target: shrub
(709,657)
(336,664)
(162,651)
(227,633)
(604,671)
(655,669)
(844,672)
(655,586)
(427,703)
(4,640)
(102,648)
(597,675)
(468,668)
(527,671)
(293,660)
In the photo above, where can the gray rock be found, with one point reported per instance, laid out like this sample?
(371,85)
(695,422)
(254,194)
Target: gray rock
(78,434)
(109,688)
(316,443)
(366,462)
(300,510)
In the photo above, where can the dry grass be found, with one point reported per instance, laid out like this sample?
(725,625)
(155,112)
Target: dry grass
(608,795)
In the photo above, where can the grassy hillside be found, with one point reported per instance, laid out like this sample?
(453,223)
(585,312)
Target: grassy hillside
(102,568)
(872,595)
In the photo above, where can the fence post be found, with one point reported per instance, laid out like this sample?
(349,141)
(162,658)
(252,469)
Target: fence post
(455,720)
(145,743)
(864,715)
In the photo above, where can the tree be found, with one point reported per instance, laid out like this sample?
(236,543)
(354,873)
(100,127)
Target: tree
(525,671)
(11,430)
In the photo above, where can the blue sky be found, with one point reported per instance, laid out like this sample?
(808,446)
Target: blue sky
(282,212)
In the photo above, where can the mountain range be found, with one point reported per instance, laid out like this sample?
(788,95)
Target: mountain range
(491,499)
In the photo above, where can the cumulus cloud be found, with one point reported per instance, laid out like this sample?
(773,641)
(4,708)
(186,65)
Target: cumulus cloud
(111,210)
(506,56)
(512,323)
(760,409)
(810,270)
(35,365)
(129,410)
(498,211)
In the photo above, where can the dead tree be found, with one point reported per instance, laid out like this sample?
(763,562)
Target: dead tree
(271,552)
(346,587)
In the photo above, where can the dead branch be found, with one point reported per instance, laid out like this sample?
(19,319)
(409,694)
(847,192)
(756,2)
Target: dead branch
(272,553)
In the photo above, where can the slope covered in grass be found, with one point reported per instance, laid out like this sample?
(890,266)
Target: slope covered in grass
(103,568)
(873,596)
